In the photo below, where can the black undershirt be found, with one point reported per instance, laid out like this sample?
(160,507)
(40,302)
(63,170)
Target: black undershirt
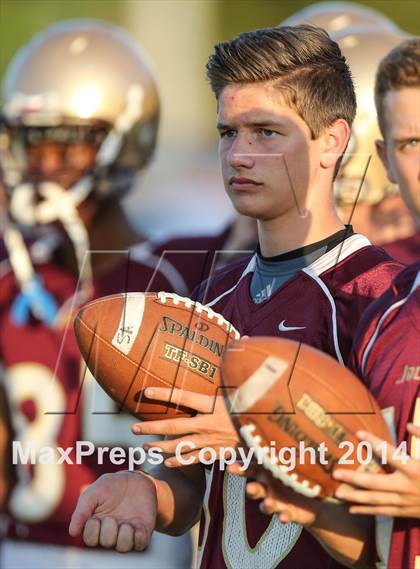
(272,272)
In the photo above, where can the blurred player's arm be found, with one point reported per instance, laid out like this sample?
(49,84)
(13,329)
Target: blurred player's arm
(122,510)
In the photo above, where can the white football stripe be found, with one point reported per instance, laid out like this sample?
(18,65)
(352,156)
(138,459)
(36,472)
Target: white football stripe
(257,384)
(130,322)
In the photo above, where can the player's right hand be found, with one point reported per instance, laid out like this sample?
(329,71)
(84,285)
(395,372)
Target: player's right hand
(118,511)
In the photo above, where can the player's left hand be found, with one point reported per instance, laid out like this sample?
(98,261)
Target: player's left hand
(278,498)
(211,427)
(395,494)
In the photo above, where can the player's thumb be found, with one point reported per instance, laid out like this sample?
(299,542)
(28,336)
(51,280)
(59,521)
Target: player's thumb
(85,508)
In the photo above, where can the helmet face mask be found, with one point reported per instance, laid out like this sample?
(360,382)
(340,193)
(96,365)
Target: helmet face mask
(59,154)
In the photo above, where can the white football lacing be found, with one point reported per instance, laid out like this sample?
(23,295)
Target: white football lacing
(279,471)
(199,308)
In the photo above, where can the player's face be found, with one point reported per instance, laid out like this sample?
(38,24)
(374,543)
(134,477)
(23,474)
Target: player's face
(401,152)
(63,164)
(267,156)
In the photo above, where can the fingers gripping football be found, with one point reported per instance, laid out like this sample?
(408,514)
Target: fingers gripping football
(210,428)
(118,511)
(396,493)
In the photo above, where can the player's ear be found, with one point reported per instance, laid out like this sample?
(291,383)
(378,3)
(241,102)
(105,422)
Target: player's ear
(382,153)
(334,143)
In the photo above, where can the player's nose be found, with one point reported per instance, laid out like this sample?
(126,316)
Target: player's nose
(241,154)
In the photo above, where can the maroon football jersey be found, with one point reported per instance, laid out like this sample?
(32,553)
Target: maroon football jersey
(386,354)
(406,250)
(54,403)
(197,257)
(321,306)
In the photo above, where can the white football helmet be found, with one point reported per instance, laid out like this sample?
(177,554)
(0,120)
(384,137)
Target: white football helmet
(363,48)
(84,80)
(336,16)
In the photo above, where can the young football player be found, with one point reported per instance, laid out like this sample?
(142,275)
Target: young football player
(285,102)
(81,111)
(386,350)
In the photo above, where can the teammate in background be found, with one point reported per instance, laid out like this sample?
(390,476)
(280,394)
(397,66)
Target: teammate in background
(374,207)
(400,159)
(81,109)
(281,139)
(386,349)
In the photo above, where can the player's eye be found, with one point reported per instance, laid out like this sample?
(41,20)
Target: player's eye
(267,132)
(227,133)
(410,145)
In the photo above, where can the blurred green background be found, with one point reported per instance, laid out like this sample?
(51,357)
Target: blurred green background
(239,15)
(182,188)
(20,19)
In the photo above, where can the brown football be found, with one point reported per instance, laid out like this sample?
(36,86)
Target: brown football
(286,395)
(137,340)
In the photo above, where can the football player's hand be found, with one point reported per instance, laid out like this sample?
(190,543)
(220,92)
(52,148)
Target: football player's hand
(415,431)
(276,498)
(118,511)
(394,494)
(210,428)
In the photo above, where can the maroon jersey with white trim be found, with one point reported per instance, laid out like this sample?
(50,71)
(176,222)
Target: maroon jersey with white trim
(321,306)
(386,354)
(54,404)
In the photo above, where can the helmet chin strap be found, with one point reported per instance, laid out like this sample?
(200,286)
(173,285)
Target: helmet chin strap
(61,205)
(57,204)
(33,298)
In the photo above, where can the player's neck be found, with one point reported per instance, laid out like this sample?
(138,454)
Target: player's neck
(385,222)
(287,233)
(109,231)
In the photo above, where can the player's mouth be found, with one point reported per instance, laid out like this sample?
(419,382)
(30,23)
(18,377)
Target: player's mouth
(240,184)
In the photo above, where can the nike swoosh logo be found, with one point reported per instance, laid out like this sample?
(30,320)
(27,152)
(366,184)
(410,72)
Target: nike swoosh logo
(284,328)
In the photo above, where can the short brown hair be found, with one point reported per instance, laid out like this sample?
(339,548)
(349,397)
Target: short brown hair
(302,60)
(399,69)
